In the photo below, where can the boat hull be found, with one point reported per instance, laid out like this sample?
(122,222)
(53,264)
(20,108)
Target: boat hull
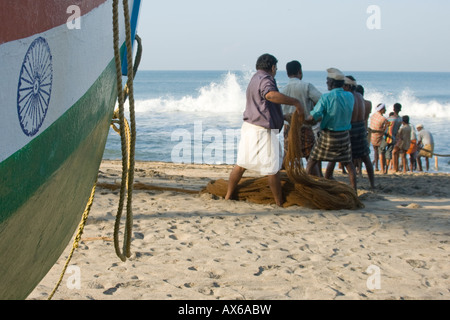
(49,162)
(33,238)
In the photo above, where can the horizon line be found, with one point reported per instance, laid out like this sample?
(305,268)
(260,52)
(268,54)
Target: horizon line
(304,70)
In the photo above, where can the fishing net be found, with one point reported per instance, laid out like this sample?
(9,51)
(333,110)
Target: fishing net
(299,188)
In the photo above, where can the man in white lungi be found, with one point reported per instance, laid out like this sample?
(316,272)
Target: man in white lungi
(259,147)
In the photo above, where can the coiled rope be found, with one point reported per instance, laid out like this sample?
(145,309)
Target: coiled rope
(299,188)
(128,138)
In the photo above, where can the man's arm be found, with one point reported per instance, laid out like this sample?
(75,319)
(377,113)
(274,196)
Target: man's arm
(313,93)
(279,98)
(317,112)
(419,138)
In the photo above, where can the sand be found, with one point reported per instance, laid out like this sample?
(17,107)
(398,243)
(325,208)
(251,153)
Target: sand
(196,247)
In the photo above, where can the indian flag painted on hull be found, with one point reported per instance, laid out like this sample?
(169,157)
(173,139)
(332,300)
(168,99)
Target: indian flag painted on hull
(58,81)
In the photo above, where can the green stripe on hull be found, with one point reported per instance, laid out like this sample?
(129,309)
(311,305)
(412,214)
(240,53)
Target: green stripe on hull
(45,187)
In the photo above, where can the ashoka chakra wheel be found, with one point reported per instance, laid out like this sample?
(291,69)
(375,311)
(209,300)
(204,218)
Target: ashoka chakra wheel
(35,86)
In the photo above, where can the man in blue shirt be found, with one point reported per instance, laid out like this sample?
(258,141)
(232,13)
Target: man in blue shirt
(334,109)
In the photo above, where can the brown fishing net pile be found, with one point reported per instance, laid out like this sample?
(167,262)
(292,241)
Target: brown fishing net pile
(298,187)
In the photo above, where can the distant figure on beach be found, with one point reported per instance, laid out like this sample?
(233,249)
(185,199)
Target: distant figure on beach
(425,143)
(367,107)
(358,131)
(412,151)
(396,152)
(308,95)
(259,148)
(367,112)
(334,109)
(404,141)
(388,143)
(377,128)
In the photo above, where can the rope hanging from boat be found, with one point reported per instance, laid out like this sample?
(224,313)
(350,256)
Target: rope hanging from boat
(128,150)
(76,240)
(116,116)
(128,141)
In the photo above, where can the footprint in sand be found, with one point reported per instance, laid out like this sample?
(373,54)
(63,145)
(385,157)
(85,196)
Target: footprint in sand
(416,263)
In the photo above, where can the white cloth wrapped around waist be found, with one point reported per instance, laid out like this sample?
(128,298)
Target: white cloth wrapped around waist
(259,149)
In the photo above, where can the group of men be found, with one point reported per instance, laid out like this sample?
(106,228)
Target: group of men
(393,138)
(335,128)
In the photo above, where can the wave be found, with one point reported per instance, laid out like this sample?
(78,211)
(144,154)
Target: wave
(411,104)
(225,96)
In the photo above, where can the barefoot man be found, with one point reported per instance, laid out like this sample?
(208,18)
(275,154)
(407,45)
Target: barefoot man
(335,110)
(259,147)
(358,132)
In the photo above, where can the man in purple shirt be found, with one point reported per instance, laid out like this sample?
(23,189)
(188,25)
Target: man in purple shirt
(259,147)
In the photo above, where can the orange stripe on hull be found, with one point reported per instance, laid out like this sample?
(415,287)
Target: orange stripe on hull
(23,18)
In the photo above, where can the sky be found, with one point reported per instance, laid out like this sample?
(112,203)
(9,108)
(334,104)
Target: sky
(353,35)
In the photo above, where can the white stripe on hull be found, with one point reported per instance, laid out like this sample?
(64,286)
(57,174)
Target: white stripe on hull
(78,57)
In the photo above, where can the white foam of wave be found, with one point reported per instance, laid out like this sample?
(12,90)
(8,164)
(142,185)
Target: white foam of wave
(226,96)
(411,105)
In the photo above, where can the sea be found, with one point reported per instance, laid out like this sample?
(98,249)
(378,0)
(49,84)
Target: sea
(196,116)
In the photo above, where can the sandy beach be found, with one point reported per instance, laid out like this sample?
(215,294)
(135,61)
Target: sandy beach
(192,246)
